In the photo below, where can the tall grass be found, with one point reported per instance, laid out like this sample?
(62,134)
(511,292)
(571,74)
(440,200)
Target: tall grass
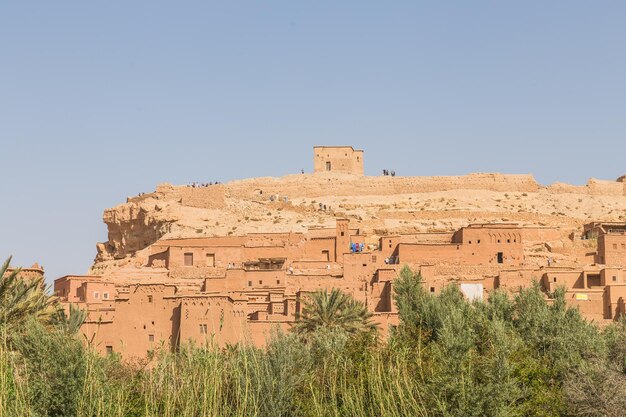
(509,356)
(320,377)
(13,401)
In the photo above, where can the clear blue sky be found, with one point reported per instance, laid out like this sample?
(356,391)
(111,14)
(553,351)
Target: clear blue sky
(101,100)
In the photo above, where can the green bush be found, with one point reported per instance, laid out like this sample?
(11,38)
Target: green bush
(512,355)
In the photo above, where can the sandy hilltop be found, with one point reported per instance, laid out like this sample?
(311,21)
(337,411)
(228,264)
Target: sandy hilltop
(377,205)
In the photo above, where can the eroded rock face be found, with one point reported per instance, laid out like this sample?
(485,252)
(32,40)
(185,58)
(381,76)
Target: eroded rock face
(377,205)
(131,228)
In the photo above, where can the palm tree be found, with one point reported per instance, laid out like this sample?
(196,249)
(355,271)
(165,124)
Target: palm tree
(334,310)
(69,323)
(22,299)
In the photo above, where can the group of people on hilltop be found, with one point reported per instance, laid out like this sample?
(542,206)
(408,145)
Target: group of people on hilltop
(324,207)
(276,197)
(386,173)
(202,184)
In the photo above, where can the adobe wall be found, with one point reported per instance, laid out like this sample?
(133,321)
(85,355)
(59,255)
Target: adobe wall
(541,234)
(211,197)
(593,187)
(570,279)
(514,280)
(316,250)
(27,274)
(613,276)
(612,249)
(616,296)
(225,320)
(134,320)
(259,332)
(295,186)
(471,254)
(591,304)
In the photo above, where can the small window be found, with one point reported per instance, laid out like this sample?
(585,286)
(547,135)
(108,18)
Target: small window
(249,283)
(508,241)
(210,259)
(343,233)
(150,338)
(457,247)
(149,298)
(373,258)
(614,278)
(470,242)
(432,289)
(96,295)
(105,295)
(204,329)
(478,241)
(514,240)
(109,350)
(554,279)
(188,259)
(260,282)
(364,264)
(278,281)
(498,240)
(327,166)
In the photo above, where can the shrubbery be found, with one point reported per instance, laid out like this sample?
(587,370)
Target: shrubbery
(508,356)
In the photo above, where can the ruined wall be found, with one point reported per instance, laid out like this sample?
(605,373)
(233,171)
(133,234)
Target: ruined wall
(337,185)
(593,187)
(211,197)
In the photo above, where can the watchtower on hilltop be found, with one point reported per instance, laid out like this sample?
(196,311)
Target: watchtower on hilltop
(344,159)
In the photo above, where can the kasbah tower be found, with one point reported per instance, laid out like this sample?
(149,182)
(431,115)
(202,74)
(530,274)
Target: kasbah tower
(227,263)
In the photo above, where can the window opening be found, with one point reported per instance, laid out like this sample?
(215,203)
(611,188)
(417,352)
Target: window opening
(188,259)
